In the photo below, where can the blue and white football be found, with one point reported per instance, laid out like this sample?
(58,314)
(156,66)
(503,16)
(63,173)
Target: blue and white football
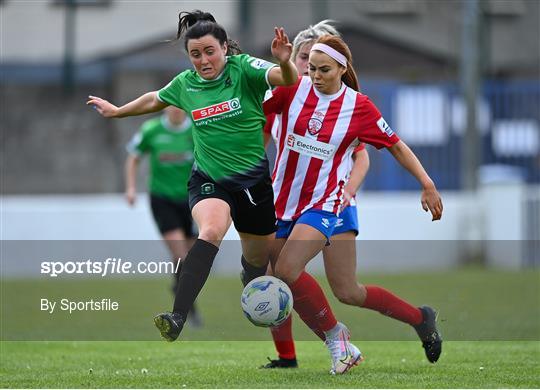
(267,301)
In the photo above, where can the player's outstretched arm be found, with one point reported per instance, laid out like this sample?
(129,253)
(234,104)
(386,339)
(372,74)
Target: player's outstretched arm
(144,104)
(431,200)
(286,74)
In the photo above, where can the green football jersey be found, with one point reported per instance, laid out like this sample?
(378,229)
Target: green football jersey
(171,155)
(228,119)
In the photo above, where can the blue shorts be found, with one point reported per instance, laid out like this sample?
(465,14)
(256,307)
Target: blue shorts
(347,221)
(323,221)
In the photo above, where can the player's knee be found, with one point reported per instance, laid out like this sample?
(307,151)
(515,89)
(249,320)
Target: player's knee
(286,271)
(354,296)
(211,234)
(346,297)
(362,294)
(258,260)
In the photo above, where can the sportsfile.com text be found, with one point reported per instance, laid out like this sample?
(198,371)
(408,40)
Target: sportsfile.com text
(111,266)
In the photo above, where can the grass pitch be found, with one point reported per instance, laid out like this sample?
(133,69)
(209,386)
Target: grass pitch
(233,364)
(490,322)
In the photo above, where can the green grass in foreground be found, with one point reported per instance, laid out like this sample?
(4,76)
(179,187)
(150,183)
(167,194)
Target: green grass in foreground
(474,304)
(489,319)
(233,364)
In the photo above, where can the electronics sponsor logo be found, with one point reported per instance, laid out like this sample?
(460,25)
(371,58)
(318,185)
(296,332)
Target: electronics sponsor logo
(290,140)
(310,147)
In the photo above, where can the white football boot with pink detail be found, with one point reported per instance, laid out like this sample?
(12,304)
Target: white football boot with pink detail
(344,354)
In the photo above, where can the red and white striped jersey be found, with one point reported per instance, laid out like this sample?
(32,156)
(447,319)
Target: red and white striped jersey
(315,140)
(272,127)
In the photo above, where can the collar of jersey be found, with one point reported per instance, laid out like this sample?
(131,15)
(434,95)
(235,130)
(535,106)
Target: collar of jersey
(219,76)
(186,124)
(321,95)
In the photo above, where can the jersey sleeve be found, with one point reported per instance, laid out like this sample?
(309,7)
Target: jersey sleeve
(372,128)
(279,98)
(269,123)
(172,92)
(256,71)
(361,146)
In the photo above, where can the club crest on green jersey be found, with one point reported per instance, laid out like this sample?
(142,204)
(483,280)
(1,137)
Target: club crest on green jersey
(207,189)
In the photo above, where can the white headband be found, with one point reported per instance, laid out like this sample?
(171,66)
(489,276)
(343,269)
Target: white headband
(336,55)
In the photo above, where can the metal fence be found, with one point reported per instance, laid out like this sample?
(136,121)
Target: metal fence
(431,119)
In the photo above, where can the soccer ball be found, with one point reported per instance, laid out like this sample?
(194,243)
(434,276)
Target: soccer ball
(267,301)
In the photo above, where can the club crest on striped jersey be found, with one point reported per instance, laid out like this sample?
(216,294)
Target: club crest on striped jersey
(315,123)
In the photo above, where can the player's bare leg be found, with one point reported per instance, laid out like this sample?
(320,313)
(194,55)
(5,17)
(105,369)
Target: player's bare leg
(304,243)
(340,267)
(256,253)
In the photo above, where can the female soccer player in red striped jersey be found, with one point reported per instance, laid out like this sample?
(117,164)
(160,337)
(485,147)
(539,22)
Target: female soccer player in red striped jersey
(340,257)
(324,119)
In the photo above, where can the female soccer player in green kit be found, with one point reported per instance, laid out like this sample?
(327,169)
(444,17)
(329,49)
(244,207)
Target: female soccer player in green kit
(230,179)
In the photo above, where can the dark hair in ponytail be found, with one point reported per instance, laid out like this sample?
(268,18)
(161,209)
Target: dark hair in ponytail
(336,43)
(196,24)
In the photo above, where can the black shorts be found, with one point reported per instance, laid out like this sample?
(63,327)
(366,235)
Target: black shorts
(171,214)
(252,209)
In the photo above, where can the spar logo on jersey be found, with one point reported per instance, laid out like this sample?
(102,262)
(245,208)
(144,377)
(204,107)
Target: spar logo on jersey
(175,158)
(385,128)
(216,109)
(315,123)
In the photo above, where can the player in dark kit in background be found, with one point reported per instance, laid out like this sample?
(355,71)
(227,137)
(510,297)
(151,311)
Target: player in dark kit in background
(230,180)
(168,142)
